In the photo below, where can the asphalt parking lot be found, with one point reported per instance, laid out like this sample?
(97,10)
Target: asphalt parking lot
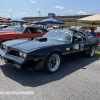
(77,79)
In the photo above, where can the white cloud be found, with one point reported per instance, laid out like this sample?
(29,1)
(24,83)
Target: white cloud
(32,1)
(27,9)
(70,11)
(37,8)
(82,13)
(9,10)
(58,7)
(24,13)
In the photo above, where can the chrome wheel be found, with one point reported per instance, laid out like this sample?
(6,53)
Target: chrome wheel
(54,62)
(92,51)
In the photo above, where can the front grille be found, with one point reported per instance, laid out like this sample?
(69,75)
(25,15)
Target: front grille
(14,53)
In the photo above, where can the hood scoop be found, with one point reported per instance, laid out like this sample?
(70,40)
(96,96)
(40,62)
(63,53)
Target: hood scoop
(41,39)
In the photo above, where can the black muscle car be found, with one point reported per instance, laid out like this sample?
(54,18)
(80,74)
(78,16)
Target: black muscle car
(46,52)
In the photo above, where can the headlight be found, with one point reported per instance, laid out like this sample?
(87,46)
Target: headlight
(20,54)
(23,55)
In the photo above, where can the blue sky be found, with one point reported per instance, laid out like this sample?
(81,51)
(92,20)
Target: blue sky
(30,8)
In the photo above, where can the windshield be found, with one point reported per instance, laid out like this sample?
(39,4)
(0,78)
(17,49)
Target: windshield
(7,28)
(59,35)
(18,29)
(14,28)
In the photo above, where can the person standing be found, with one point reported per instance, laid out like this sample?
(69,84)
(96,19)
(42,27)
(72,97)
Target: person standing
(92,31)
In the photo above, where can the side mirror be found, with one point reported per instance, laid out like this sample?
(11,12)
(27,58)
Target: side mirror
(75,40)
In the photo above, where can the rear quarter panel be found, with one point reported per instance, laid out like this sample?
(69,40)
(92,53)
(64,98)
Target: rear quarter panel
(4,37)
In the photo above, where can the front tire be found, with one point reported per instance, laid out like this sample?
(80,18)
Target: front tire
(52,63)
(91,52)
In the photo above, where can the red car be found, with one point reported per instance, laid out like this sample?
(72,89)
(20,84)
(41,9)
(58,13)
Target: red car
(98,35)
(17,32)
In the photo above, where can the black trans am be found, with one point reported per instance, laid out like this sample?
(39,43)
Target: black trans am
(46,52)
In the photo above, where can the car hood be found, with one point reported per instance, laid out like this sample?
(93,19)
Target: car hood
(7,32)
(16,41)
(26,45)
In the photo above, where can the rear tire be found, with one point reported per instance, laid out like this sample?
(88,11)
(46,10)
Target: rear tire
(52,63)
(91,52)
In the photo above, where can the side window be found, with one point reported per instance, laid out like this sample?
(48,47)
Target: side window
(40,31)
(83,36)
(27,30)
(33,30)
(77,36)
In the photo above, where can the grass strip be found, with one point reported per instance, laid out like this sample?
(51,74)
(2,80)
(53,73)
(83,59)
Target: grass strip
(97,55)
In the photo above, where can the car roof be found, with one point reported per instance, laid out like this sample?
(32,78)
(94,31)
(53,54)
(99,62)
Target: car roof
(5,25)
(35,26)
(62,30)
(67,30)
(31,26)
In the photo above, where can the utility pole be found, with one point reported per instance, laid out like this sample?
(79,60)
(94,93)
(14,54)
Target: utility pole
(39,14)
(76,19)
(11,15)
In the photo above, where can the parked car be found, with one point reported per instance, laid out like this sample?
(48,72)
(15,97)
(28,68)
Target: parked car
(17,32)
(6,28)
(46,52)
(3,26)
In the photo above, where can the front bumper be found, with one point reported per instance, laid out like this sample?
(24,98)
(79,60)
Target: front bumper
(21,63)
(11,60)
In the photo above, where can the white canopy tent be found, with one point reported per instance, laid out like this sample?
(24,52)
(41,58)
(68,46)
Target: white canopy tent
(93,19)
